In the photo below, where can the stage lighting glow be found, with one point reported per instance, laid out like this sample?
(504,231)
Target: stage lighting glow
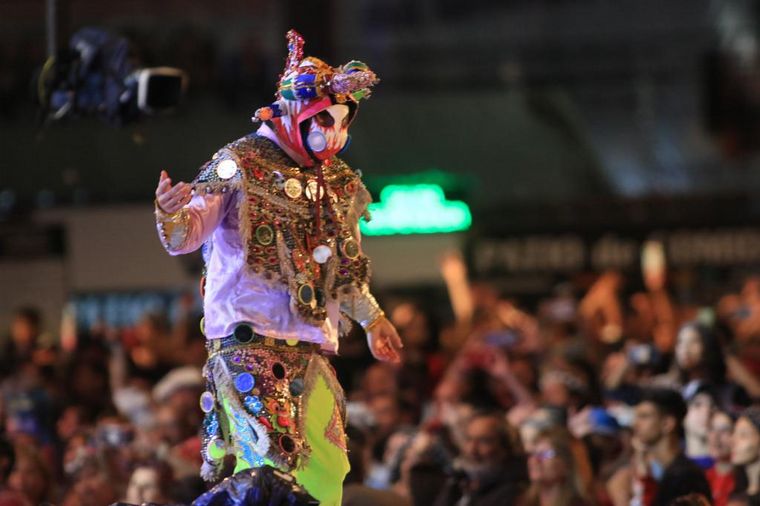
(416,209)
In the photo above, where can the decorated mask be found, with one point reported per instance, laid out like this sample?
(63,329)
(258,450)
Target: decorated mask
(315,104)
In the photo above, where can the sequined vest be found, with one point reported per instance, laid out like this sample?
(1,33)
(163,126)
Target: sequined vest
(277,215)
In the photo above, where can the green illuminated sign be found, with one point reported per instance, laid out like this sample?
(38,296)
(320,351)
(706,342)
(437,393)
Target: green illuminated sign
(416,209)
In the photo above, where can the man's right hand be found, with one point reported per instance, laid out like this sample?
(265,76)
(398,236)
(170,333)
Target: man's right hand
(171,199)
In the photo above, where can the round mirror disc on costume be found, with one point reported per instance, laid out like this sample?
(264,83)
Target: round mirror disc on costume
(243,333)
(293,188)
(296,387)
(226,169)
(321,253)
(216,448)
(287,444)
(244,382)
(311,190)
(264,235)
(351,248)
(317,141)
(207,401)
(305,294)
(278,370)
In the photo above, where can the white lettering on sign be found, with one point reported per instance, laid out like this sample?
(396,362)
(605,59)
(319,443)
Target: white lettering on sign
(532,253)
(611,252)
(567,252)
(713,247)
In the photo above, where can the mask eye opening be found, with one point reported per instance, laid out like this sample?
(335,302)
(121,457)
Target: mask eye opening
(324,119)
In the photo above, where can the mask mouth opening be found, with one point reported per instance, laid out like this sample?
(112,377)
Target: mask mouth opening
(303,128)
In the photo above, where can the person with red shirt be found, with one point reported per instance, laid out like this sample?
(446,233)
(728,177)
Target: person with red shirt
(721,475)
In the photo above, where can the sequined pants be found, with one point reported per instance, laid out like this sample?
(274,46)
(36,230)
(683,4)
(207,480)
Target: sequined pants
(272,403)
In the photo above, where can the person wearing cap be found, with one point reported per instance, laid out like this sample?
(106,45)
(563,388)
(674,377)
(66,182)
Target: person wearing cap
(277,215)
(745,452)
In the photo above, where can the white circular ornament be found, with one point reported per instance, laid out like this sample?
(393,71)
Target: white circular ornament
(321,253)
(226,169)
(317,141)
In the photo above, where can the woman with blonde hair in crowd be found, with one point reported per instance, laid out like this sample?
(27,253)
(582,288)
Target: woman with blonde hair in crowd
(558,471)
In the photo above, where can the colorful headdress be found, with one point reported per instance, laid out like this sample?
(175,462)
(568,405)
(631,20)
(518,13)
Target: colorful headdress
(306,79)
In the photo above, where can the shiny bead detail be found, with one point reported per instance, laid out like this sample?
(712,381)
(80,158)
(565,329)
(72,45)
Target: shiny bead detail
(207,401)
(321,254)
(253,404)
(244,382)
(311,190)
(226,169)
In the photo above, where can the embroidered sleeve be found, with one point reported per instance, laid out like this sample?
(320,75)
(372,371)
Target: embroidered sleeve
(363,308)
(172,228)
(187,229)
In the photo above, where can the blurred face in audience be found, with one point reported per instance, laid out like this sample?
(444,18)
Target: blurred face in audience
(689,348)
(544,465)
(697,421)
(91,490)
(170,426)
(69,423)
(378,380)
(484,446)
(719,436)
(144,486)
(23,331)
(29,477)
(386,412)
(745,443)
(412,325)
(555,393)
(648,424)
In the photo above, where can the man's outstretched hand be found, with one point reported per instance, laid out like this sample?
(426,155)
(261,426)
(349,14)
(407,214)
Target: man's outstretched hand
(384,342)
(172,198)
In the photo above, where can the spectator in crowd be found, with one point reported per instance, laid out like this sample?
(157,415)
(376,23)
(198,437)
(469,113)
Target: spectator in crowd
(701,406)
(555,468)
(745,451)
(662,471)
(721,474)
(355,493)
(25,343)
(491,467)
(150,483)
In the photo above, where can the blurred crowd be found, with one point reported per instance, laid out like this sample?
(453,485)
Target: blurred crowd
(594,395)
